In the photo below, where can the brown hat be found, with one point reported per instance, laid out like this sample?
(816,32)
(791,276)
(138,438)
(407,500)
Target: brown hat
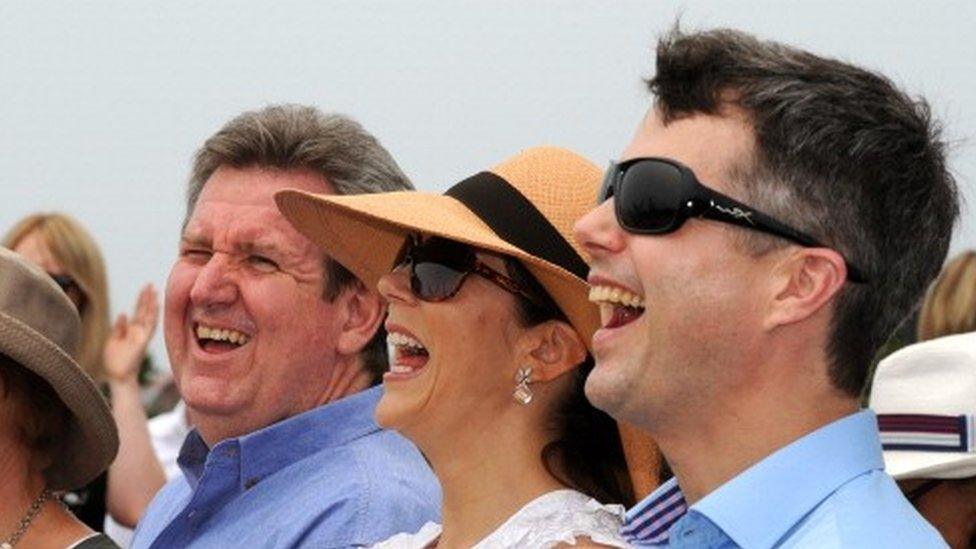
(39,328)
(523,208)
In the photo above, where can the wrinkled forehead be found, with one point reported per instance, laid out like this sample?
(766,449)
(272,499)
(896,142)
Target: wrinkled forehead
(247,229)
(254,186)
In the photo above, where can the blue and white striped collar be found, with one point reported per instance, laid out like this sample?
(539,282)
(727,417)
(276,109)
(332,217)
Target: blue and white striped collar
(650,520)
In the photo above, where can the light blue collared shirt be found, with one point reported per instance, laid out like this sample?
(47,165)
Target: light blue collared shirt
(326,478)
(827,489)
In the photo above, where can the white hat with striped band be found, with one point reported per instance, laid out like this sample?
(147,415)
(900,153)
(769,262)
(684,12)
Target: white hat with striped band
(925,398)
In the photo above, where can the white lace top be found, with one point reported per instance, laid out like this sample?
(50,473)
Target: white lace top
(557,517)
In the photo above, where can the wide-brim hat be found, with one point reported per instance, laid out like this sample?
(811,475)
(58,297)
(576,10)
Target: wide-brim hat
(39,328)
(925,398)
(523,208)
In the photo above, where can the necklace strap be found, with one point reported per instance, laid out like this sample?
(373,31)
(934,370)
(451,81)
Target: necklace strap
(25,522)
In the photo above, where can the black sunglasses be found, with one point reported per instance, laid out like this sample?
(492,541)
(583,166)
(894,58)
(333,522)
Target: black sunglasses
(438,268)
(69,285)
(65,282)
(657,195)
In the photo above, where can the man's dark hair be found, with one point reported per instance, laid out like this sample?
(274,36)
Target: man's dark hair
(841,154)
(299,137)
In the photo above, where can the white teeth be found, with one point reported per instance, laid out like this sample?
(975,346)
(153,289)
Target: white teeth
(398,369)
(216,334)
(613,294)
(403,340)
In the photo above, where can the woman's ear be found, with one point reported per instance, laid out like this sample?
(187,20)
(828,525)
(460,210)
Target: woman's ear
(555,349)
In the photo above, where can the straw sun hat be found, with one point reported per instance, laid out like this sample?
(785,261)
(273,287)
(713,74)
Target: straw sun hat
(523,208)
(39,327)
(925,398)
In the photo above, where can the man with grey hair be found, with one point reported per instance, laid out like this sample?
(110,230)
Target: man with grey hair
(776,215)
(274,348)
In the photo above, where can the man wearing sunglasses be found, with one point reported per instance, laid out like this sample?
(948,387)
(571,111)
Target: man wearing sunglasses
(775,217)
(274,348)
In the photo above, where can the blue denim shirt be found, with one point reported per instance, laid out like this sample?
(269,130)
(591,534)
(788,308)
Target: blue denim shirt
(326,478)
(827,489)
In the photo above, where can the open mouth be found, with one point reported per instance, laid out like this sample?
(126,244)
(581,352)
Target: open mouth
(219,340)
(407,354)
(618,307)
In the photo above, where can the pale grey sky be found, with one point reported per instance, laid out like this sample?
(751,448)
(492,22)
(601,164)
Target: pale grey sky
(103,103)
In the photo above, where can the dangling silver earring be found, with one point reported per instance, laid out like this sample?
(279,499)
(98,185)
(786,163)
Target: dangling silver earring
(522,393)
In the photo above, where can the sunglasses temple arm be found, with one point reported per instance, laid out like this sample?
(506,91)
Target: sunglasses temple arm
(736,213)
(744,216)
(506,283)
(772,226)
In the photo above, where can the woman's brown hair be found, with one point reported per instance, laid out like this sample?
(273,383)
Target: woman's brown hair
(34,411)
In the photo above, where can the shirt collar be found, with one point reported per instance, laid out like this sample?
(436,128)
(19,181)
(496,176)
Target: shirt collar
(791,481)
(193,457)
(650,520)
(277,446)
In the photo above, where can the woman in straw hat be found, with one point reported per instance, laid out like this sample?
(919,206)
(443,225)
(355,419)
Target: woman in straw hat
(109,354)
(56,431)
(489,326)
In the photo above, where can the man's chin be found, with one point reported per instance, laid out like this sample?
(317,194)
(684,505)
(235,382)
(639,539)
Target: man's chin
(205,398)
(605,391)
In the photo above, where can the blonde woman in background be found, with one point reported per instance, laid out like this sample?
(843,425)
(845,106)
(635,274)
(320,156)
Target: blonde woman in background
(110,354)
(950,304)
(62,247)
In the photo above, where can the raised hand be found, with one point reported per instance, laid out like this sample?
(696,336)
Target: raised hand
(128,339)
